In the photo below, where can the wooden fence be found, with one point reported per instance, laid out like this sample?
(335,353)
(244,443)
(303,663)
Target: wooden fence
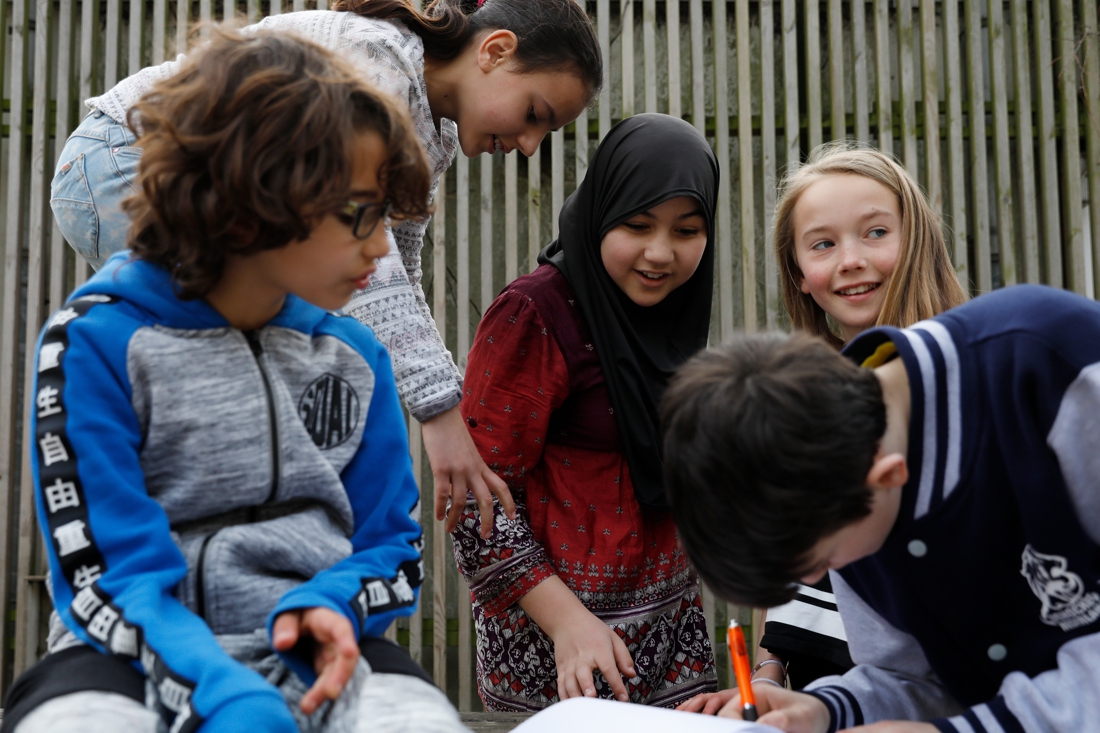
(992,105)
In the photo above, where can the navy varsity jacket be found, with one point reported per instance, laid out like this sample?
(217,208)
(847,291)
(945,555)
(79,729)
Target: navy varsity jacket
(981,612)
(193,480)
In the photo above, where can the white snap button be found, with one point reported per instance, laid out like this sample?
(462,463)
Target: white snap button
(997,652)
(918,548)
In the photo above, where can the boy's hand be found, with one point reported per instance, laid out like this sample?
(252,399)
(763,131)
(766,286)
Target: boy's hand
(793,712)
(583,644)
(335,651)
(896,726)
(457,468)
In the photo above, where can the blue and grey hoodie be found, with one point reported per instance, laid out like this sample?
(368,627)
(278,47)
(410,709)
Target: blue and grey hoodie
(194,480)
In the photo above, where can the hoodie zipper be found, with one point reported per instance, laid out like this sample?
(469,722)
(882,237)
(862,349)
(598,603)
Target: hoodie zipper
(253,338)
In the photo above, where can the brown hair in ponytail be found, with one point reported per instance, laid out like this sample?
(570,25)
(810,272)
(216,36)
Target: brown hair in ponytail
(553,35)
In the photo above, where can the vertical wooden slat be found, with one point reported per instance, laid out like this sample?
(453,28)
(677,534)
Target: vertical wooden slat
(183,20)
(813,72)
(791,124)
(744,144)
(252,12)
(28,594)
(441,542)
(1028,238)
(883,95)
(486,264)
(1047,134)
(391,631)
(1002,194)
(1092,134)
(979,186)
(1073,249)
(581,145)
(59,252)
(930,88)
(722,145)
(672,25)
(837,126)
(462,299)
(859,70)
(9,306)
(160,29)
(906,49)
(603,33)
(276,7)
(956,201)
(511,219)
(767,162)
(465,647)
(299,5)
(698,89)
(89,15)
(110,43)
(626,40)
(557,176)
(649,52)
(206,15)
(534,209)
(137,32)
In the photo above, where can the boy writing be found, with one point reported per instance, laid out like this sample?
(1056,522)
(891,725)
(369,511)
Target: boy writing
(951,488)
(222,477)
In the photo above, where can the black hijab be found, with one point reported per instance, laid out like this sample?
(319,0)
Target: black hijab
(644,161)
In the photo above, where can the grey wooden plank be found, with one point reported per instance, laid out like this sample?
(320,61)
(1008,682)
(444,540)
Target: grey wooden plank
(979,191)
(603,31)
(581,146)
(956,201)
(698,88)
(1092,134)
(906,52)
(135,37)
(626,44)
(813,72)
(110,44)
(649,52)
(791,123)
(1002,173)
(837,125)
(883,95)
(1073,242)
(534,209)
(462,298)
(930,92)
(1028,235)
(859,72)
(745,157)
(511,218)
(416,453)
(767,158)
(1047,134)
(183,22)
(440,540)
(722,145)
(59,251)
(557,177)
(672,26)
(10,296)
(160,30)
(485,266)
(465,648)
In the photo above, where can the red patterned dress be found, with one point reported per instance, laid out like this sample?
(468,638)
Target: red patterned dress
(538,408)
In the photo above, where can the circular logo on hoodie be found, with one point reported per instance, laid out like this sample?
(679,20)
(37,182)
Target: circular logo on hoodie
(329,408)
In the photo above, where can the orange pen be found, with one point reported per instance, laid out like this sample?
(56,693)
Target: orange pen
(739,657)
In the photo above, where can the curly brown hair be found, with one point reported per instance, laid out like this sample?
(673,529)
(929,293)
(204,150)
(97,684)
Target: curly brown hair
(250,144)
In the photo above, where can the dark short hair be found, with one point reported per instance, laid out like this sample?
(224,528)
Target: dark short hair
(553,35)
(768,441)
(250,144)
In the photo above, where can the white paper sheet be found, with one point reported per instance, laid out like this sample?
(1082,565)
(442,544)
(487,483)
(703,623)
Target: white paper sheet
(589,715)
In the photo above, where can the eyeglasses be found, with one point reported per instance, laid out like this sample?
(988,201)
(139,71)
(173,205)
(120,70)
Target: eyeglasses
(364,218)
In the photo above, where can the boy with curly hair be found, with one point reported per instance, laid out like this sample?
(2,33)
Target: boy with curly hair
(221,470)
(950,490)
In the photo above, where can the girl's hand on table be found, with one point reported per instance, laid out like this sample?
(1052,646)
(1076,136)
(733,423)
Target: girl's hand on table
(457,468)
(584,644)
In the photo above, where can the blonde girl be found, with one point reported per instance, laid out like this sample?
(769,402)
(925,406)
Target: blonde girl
(853,218)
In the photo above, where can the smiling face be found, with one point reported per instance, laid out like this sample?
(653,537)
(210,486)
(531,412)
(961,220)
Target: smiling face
(499,107)
(331,264)
(652,253)
(847,236)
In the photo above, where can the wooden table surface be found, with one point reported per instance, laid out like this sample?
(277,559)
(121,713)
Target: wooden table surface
(493,722)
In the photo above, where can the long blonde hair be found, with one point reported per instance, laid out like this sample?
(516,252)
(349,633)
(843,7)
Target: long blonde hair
(923,282)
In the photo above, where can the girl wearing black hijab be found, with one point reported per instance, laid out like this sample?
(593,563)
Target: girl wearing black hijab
(587,591)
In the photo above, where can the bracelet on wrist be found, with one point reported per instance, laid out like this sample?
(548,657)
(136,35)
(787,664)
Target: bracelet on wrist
(770,682)
(764,662)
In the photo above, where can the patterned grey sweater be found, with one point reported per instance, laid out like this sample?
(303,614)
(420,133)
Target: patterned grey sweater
(393,305)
